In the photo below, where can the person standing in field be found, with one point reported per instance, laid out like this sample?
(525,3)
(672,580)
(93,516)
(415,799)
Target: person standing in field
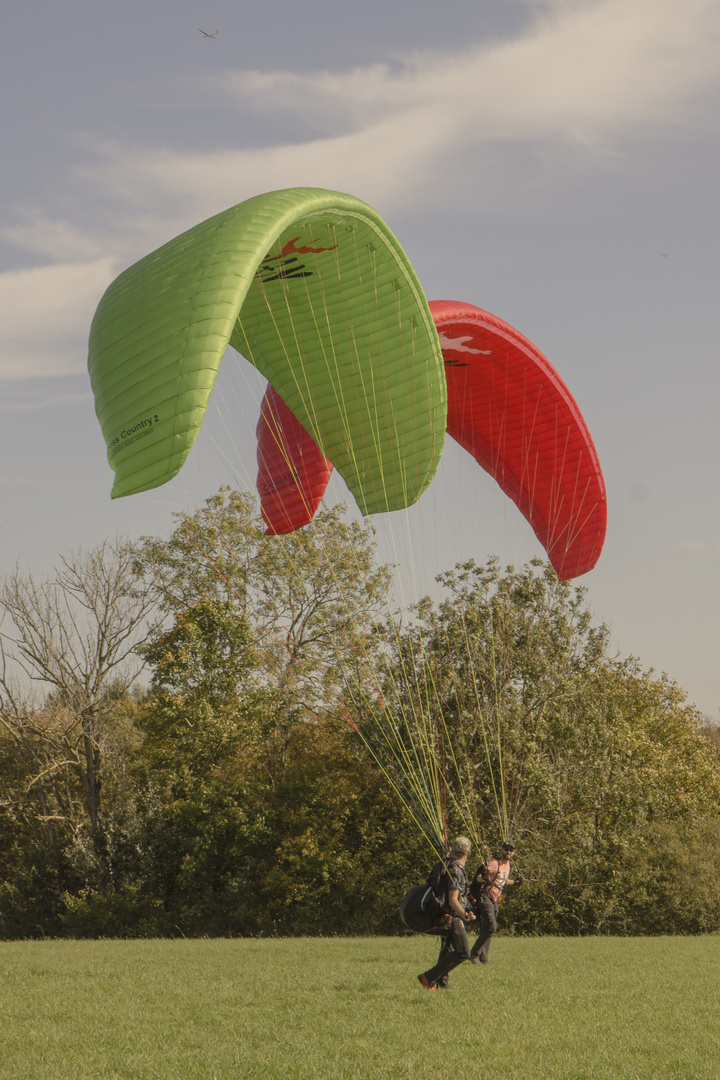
(486,890)
(455,947)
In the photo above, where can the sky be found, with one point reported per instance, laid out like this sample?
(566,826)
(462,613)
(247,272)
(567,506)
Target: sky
(556,162)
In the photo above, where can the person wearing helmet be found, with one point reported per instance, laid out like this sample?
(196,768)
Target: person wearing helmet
(486,891)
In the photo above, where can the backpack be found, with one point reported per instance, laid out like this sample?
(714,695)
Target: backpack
(424,907)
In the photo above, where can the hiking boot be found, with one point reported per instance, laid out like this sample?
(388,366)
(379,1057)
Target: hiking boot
(424,981)
(475,960)
(443,986)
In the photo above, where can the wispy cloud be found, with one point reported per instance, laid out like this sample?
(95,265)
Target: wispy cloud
(581,78)
(583,71)
(42,312)
(585,76)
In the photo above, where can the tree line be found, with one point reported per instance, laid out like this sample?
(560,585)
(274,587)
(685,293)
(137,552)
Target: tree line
(197,756)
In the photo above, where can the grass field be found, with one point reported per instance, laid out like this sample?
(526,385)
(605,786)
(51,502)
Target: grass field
(330,1009)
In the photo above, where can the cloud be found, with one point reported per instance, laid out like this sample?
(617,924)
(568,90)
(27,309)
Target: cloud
(57,239)
(585,76)
(581,72)
(45,314)
(581,80)
(185,187)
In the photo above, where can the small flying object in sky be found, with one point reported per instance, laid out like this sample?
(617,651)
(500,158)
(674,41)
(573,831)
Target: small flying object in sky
(205,33)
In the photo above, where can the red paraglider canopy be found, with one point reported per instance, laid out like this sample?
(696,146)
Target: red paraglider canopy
(293,472)
(507,406)
(510,409)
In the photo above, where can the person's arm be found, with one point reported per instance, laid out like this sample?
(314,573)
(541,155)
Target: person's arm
(517,880)
(457,908)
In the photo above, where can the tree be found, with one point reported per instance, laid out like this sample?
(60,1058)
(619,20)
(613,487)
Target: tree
(505,711)
(309,601)
(471,690)
(242,730)
(244,789)
(74,635)
(633,775)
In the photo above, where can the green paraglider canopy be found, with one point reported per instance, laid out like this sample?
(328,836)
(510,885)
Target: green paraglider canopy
(312,287)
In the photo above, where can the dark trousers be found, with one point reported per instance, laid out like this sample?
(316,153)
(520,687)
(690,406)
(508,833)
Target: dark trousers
(487,910)
(455,949)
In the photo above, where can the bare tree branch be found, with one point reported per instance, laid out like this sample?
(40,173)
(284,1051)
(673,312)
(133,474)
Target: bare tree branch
(77,634)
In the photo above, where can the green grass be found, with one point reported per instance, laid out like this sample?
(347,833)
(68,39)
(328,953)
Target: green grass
(329,1009)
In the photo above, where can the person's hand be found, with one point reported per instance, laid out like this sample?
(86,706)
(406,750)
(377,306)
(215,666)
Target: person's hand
(518,879)
(470,916)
